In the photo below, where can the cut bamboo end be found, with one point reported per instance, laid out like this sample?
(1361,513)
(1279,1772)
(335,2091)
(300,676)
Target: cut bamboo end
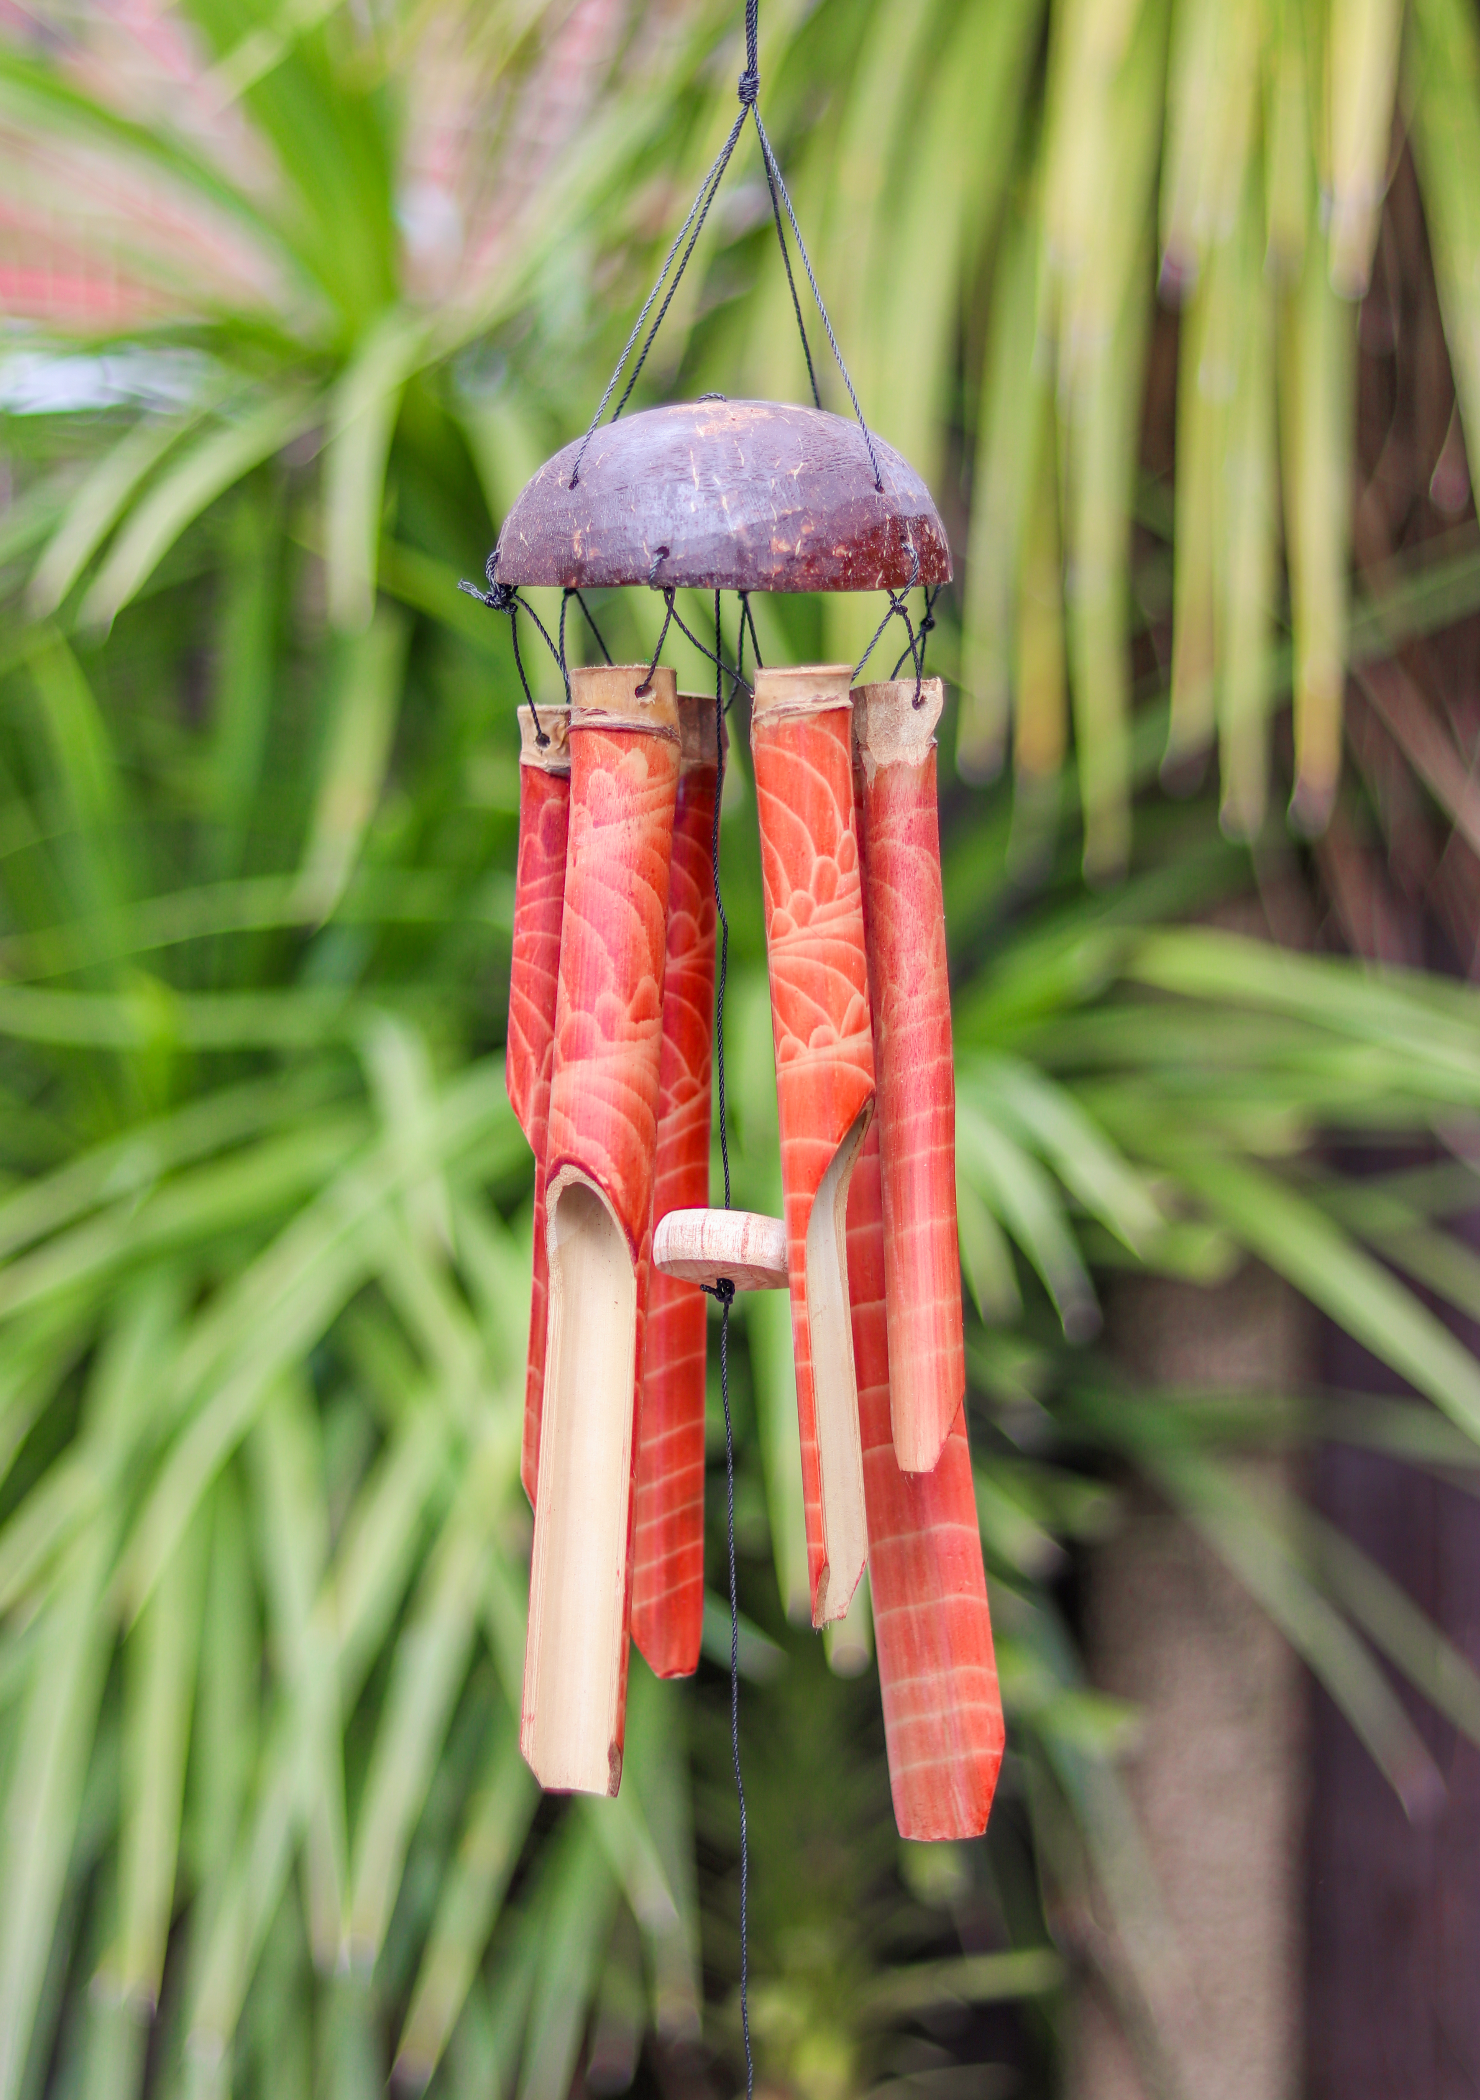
(698,744)
(888,728)
(703,1246)
(835,1380)
(553,756)
(625,696)
(574,1664)
(801,689)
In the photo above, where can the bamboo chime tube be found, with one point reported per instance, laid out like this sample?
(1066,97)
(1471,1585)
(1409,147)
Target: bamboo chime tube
(539,898)
(668,1524)
(937,1672)
(599,1199)
(801,739)
(910,1009)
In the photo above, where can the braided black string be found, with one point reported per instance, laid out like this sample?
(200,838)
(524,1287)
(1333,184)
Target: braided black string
(723,1291)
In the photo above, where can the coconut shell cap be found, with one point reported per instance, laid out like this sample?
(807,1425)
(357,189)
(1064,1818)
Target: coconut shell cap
(725,495)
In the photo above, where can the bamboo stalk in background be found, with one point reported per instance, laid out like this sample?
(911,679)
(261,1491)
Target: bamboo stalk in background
(1104,135)
(534,975)
(1212,104)
(1316,366)
(1362,77)
(1016,403)
(1204,383)
(668,1518)
(801,740)
(600,1157)
(1249,540)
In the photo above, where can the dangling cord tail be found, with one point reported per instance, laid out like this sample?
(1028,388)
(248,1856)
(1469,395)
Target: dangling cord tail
(723,1291)
(505,598)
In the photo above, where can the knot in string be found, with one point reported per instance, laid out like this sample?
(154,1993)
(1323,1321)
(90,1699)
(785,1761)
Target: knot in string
(721,1290)
(749,85)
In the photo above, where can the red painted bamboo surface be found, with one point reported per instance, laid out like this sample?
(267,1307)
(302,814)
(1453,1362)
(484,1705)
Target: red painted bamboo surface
(539,897)
(910,1007)
(668,1523)
(600,1155)
(932,1631)
(801,737)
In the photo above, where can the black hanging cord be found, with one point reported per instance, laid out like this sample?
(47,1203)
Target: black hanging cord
(899,610)
(505,598)
(791,285)
(647,683)
(736,675)
(705,198)
(723,1291)
(749,91)
(775,174)
(747,619)
(566,595)
(927,623)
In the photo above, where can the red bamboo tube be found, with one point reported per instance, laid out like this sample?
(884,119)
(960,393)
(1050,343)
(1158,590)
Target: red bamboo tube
(668,1524)
(534,972)
(599,1202)
(801,737)
(910,1007)
(932,1630)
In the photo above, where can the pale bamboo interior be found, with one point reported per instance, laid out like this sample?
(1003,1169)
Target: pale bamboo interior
(888,728)
(553,755)
(578,1574)
(783,689)
(835,1380)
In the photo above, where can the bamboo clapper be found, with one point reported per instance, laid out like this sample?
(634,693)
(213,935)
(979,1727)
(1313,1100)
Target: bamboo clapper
(702,1246)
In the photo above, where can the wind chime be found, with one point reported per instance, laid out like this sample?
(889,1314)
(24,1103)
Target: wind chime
(613,1027)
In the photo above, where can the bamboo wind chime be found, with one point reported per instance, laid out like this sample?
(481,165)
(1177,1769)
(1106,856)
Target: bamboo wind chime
(612,1038)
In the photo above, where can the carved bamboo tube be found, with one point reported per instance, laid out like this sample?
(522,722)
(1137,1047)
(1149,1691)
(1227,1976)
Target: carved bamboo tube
(910,1008)
(932,1630)
(534,971)
(599,1167)
(668,1525)
(801,738)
